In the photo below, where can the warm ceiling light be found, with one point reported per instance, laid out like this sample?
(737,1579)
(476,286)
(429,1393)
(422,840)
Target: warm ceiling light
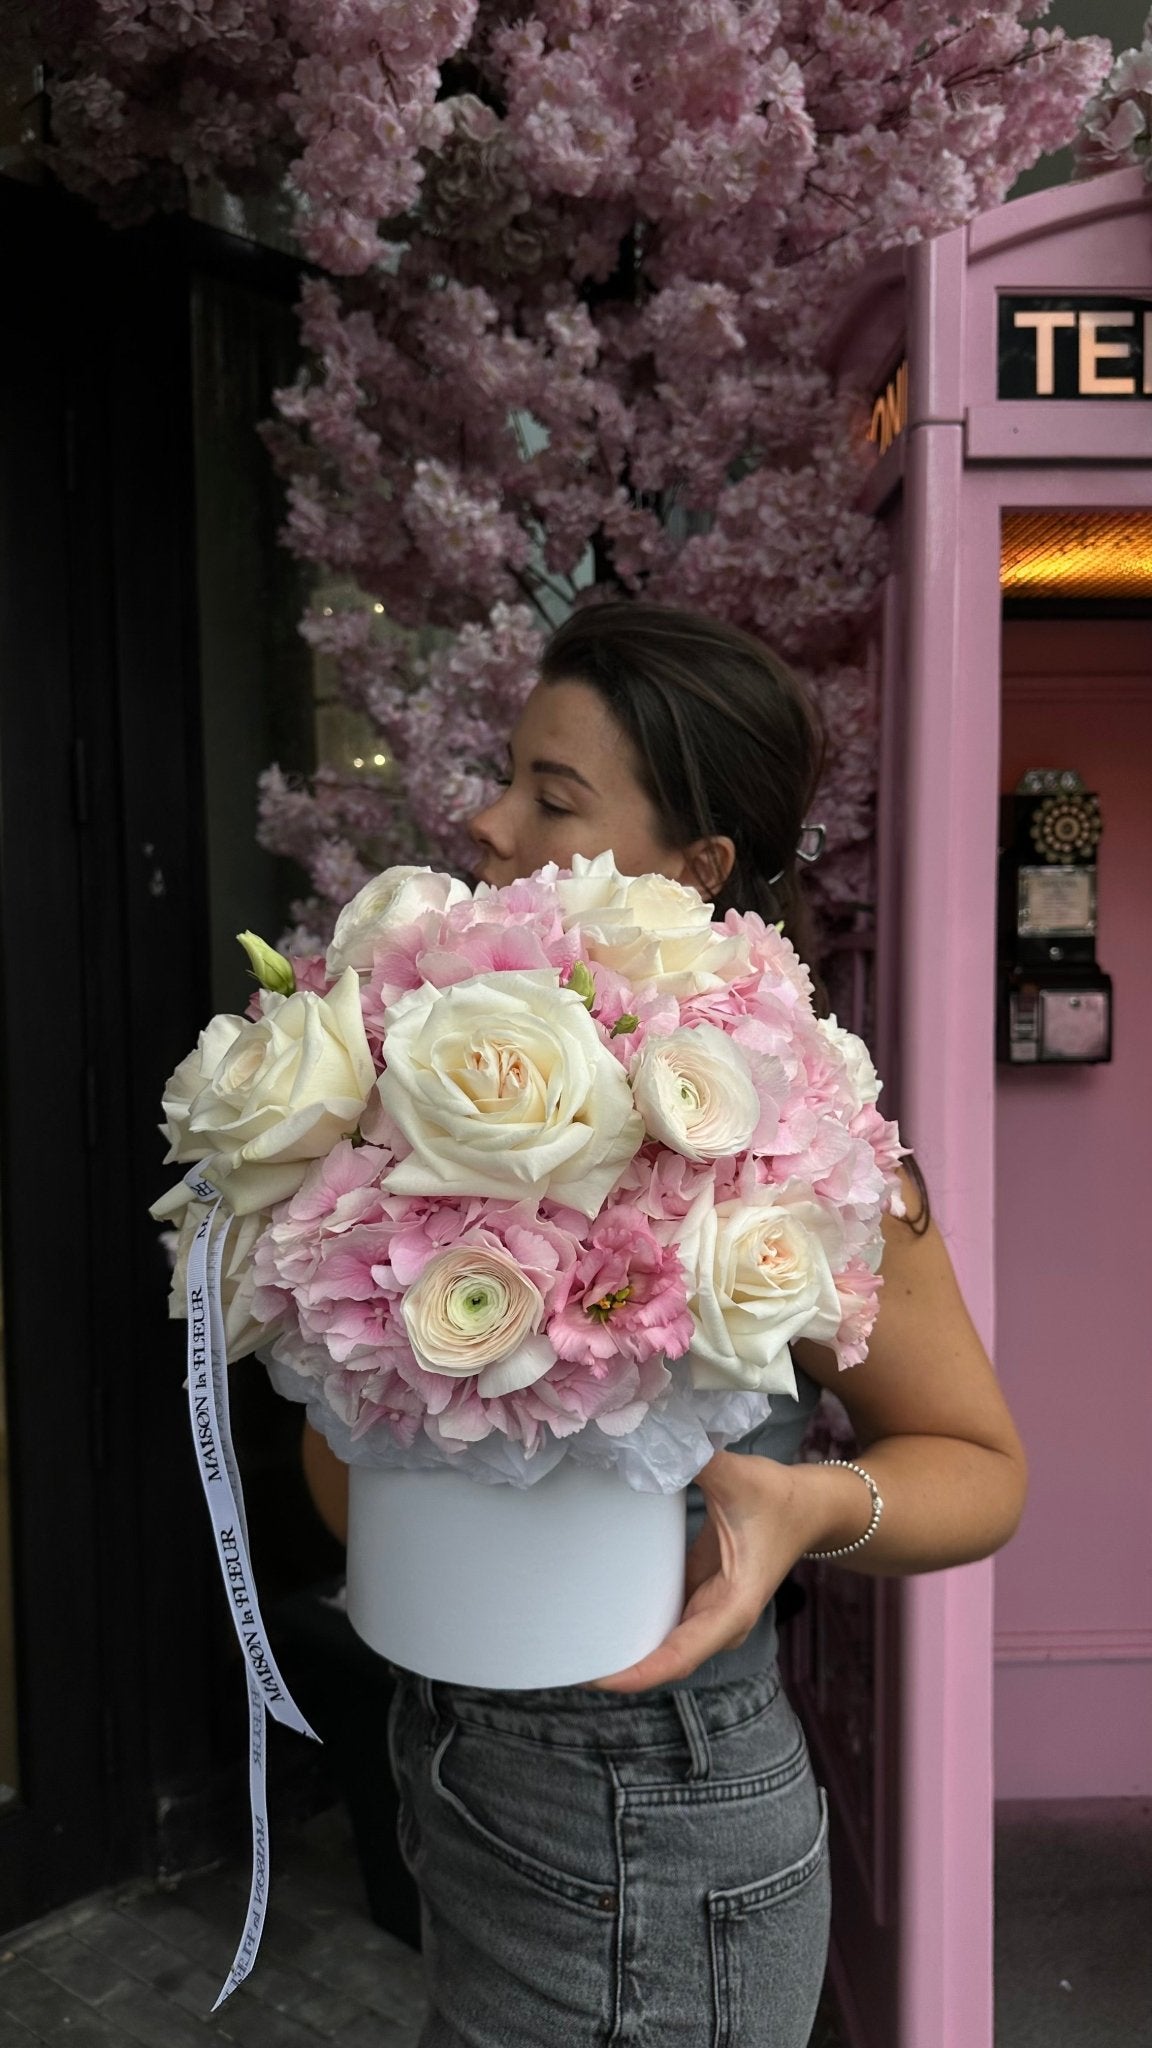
(1076,554)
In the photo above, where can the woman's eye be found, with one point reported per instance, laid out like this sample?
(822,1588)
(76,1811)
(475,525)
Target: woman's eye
(552,810)
(502,781)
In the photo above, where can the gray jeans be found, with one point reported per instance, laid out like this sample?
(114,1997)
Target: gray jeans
(651,1873)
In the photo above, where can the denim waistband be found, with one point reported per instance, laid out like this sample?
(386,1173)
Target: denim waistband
(577,1717)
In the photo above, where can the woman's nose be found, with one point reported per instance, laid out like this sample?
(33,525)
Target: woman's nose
(490,828)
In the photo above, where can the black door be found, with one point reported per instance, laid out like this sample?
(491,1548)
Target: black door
(117,1703)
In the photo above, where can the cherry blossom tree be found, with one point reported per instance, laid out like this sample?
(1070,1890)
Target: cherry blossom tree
(578,262)
(1117,124)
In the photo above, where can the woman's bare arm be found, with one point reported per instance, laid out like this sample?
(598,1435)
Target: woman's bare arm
(935,1434)
(933,1426)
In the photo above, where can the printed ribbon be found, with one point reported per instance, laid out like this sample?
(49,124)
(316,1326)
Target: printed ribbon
(220,1478)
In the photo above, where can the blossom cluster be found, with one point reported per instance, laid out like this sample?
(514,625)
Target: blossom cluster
(564,1166)
(578,266)
(1117,124)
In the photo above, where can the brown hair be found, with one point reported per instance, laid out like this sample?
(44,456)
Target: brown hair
(728,743)
(727,740)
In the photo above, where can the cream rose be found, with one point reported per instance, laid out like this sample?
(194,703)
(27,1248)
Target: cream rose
(236,1239)
(695,1092)
(257,1101)
(862,1076)
(650,929)
(394,897)
(759,1277)
(501,1084)
(474,1313)
(594,884)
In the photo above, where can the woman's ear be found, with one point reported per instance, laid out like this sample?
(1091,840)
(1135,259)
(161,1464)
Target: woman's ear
(709,863)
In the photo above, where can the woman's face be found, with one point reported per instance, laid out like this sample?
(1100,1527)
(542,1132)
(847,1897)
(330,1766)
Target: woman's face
(572,787)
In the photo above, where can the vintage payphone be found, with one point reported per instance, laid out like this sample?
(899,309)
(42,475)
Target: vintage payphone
(1054,1002)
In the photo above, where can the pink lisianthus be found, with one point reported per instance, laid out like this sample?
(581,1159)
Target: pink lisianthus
(859,1290)
(628,1300)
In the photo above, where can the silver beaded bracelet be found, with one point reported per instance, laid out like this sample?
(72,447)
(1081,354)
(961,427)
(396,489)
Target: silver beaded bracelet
(877,1509)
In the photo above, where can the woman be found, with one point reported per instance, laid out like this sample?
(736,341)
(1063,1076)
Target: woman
(644,1859)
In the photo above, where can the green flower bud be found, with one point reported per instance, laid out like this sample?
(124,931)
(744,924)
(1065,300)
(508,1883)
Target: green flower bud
(273,970)
(581,981)
(624,1025)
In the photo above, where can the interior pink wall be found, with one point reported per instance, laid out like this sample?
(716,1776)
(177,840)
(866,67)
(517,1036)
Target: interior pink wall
(1073,1697)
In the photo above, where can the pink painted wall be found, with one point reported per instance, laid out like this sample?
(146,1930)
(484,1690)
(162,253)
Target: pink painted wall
(1073,1612)
(967,457)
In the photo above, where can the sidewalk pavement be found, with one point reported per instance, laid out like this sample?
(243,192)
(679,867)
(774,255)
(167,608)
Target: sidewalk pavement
(139,1966)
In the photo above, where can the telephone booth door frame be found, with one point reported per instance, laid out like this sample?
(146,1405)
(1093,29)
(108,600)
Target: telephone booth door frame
(968,458)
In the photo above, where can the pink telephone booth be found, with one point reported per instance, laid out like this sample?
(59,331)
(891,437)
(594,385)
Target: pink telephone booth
(1005,372)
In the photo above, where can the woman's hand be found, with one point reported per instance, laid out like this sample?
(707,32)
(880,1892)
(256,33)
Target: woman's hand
(760,1520)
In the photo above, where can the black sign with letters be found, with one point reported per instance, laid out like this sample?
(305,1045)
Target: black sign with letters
(1074,347)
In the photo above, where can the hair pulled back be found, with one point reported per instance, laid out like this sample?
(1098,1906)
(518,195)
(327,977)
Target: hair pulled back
(727,740)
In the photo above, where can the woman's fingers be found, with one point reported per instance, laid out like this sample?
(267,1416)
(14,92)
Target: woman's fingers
(732,1570)
(715,1619)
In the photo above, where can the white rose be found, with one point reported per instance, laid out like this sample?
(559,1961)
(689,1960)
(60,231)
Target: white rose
(501,1084)
(236,1237)
(394,897)
(652,930)
(862,1076)
(257,1101)
(695,1092)
(593,885)
(473,1312)
(759,1277)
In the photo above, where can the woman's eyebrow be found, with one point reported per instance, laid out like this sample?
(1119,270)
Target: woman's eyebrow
(540,767)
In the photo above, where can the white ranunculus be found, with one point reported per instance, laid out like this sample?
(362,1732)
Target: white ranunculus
(695,1092)
(759,1277)
(394,897)
(257,1101)
(863,1079)
(235,1237)
(502,1084)
(474,1313)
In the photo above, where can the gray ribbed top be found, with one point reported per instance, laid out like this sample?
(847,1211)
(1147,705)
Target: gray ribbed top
(780,1438)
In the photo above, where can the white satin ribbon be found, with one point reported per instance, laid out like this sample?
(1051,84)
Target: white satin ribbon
(220,1478)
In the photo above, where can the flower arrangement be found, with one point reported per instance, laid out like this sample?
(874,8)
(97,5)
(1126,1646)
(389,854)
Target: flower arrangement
(512,1175)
